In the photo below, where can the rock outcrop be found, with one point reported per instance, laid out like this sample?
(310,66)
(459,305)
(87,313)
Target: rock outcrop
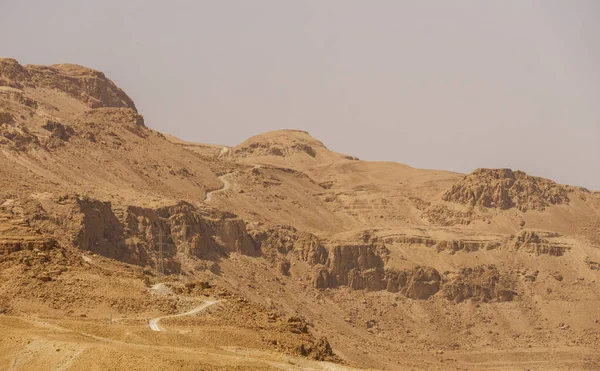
(540,243)
(136,234)
(184,229)
(320,350)
(17,232)
(464,245)
(87,85)
(482,283)
(417,283)
(356,266)
(17,138)
(285,239)
(294,149)
(504,189)
(444,216)
(288,143)
(593,265)
(100,231)
(363,267)
(6,117)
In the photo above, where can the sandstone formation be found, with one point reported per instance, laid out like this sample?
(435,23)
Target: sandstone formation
(480,283)
(505,189)
(303,253)
(84,84)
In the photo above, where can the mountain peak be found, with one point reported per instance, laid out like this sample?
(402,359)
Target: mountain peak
(89,86)
(293,148)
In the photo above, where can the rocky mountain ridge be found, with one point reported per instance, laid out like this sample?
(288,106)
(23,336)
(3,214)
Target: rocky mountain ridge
(300,243)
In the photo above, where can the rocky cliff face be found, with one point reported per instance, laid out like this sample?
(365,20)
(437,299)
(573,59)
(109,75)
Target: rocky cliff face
(182,229)
(18,230)
(131,235)
(504,189)
(99,230)
(356,266)
(540,243)
(417,283)
(283,240)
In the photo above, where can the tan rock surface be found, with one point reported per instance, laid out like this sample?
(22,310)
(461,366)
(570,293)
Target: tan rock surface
(312,255)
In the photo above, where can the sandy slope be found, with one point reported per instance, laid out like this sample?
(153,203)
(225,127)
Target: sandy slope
(397,267)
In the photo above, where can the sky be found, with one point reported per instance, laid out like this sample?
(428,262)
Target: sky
(453,85)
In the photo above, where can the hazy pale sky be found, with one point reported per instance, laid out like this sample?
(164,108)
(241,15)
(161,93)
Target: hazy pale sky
(442,84)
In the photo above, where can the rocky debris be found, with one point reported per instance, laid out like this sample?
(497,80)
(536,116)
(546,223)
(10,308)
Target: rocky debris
(370,323)
(16,230)
(481,283)
(10,244)
(15,97)
(4,305)
(6,117)
(289,334)
(13,75)
(504,189)
(17,137)
(444,216)
(43,268)
(593,265)
(296,325)
(538,243)
(59,131)
(320,350)
(531,277)
(101,125)
(284,267)
(40,265)
(326,185)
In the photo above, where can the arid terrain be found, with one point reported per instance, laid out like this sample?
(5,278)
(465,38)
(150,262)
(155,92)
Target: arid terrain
(123,248)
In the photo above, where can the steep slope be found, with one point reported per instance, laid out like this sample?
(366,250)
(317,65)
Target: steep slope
(83,84)
(69,127)
(105,223)
(342,192)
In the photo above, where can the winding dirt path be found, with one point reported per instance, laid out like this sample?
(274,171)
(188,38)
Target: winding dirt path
(154,322)
(226,185)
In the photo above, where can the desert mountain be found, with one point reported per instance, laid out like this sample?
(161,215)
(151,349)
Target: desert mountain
(275,253)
